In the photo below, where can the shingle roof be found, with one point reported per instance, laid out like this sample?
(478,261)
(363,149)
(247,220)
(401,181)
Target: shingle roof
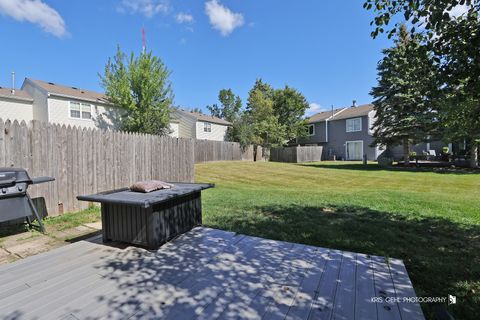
(18,95)
(321,116)
(342,113)
(353,112)
(74,92)
(206,118)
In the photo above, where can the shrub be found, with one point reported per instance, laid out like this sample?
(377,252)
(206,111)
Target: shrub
(385,161)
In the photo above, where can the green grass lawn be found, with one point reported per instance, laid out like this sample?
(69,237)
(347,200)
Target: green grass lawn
(430,220)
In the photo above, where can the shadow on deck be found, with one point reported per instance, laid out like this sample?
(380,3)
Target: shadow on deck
(442,257)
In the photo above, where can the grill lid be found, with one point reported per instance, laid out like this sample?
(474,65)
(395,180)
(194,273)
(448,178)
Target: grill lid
(11,176)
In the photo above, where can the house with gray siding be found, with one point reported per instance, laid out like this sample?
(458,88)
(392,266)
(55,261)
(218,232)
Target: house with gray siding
(344,133)
(347,134)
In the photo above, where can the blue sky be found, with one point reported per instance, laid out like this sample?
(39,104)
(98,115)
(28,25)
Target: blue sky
(323,48)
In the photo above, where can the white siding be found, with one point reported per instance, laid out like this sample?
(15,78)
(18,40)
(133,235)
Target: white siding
(218,132)
(15,110)
(174,128)
(103,117)
(40,104)
(186,125)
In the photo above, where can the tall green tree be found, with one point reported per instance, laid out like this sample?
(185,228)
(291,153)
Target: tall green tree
(452,34)
(230,110)
(290,106)
(403,97)
(229,107)
(141,86)
(264,123)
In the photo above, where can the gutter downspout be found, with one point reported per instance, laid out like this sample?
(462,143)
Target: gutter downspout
(326,130)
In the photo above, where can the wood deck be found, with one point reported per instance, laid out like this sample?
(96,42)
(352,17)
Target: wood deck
(204,274)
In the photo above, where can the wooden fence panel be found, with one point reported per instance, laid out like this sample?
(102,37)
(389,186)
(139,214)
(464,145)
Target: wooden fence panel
(85,161)
(208,150)
(296,154)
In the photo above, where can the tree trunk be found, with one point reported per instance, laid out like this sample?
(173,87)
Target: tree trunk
(474,155)
(406,152)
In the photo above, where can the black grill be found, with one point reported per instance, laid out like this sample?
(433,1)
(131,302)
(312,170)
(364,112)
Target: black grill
(15,203)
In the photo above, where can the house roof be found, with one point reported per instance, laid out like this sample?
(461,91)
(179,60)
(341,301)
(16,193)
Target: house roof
(18,95)
(341,113)
(71,92)
(321,116)
(202,117)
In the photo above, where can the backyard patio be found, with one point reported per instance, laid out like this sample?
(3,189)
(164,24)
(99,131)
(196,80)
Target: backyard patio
(425,220)
(205,274)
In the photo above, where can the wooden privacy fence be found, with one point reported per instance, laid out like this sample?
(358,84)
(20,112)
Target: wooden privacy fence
(208,150)
(296,154)
(89,161)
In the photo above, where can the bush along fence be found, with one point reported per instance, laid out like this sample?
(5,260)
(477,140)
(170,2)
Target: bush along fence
(296,154)
(86,161)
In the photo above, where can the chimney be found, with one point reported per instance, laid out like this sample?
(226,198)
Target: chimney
(13,82)
(332,111)
(354,103)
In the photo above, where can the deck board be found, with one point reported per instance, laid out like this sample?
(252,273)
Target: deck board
(322,305)
(365,308)
(205,274)
(300,308)
(344,306)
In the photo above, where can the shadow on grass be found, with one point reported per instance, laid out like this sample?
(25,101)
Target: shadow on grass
(441,257)
(376,167)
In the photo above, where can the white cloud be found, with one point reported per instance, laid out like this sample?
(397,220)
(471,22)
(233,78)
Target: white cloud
(222,18)
(314,108)
(37,12)
(148,8)
(184,18)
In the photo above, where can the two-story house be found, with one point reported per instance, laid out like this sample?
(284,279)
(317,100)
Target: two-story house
(196,125)
(67,105)
(73,106)
(344,133)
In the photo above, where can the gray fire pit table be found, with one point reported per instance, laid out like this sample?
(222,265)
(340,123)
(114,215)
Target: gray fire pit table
(149,219)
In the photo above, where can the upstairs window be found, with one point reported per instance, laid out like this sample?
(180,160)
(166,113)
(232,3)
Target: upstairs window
(86,111)
(354,125)
(80,110)
(311,129)
(75,110)
(207,127)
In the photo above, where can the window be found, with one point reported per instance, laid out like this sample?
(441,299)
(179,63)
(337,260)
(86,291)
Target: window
(354,125)
(207,127)
(86,111)
(80,110)
(75,110)
(311,129)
